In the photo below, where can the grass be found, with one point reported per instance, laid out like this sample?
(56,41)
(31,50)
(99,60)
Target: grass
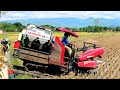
(26,76)
(12,35)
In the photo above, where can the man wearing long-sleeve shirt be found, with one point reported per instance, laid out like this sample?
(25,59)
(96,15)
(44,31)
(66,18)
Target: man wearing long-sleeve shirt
(65,42)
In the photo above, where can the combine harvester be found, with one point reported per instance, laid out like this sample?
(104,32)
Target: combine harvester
(52,53)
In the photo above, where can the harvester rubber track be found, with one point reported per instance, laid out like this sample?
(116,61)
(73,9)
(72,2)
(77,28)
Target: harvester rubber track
(34,74)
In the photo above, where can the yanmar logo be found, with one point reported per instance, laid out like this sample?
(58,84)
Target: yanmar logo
(86,63)
(90,56)
(33,33)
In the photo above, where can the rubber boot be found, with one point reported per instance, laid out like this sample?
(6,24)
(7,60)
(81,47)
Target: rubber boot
(70,64)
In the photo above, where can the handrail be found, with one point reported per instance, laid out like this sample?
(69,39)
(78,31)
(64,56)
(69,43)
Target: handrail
(85,48)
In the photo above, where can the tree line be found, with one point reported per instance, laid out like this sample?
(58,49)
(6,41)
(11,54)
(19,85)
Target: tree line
(18,27)
(87,29)
(9,27)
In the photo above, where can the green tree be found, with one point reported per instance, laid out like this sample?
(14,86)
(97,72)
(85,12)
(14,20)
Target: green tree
(105,28)
(2,25)
(17,24)
(81,29)
(118,28)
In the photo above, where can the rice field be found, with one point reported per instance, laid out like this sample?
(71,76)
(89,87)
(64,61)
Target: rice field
(110,41)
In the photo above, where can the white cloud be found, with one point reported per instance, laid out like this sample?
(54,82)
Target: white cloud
(5,19)
(17,15)
(14,15)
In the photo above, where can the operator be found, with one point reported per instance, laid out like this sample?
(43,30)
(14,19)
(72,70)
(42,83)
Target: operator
(35,44)
(26,41)
(65,43)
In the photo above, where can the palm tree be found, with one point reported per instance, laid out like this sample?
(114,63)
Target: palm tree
(96,21)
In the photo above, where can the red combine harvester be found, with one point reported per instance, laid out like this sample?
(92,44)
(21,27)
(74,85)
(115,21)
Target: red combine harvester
(58,55)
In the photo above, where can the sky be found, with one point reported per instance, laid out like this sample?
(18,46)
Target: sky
(18,15)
